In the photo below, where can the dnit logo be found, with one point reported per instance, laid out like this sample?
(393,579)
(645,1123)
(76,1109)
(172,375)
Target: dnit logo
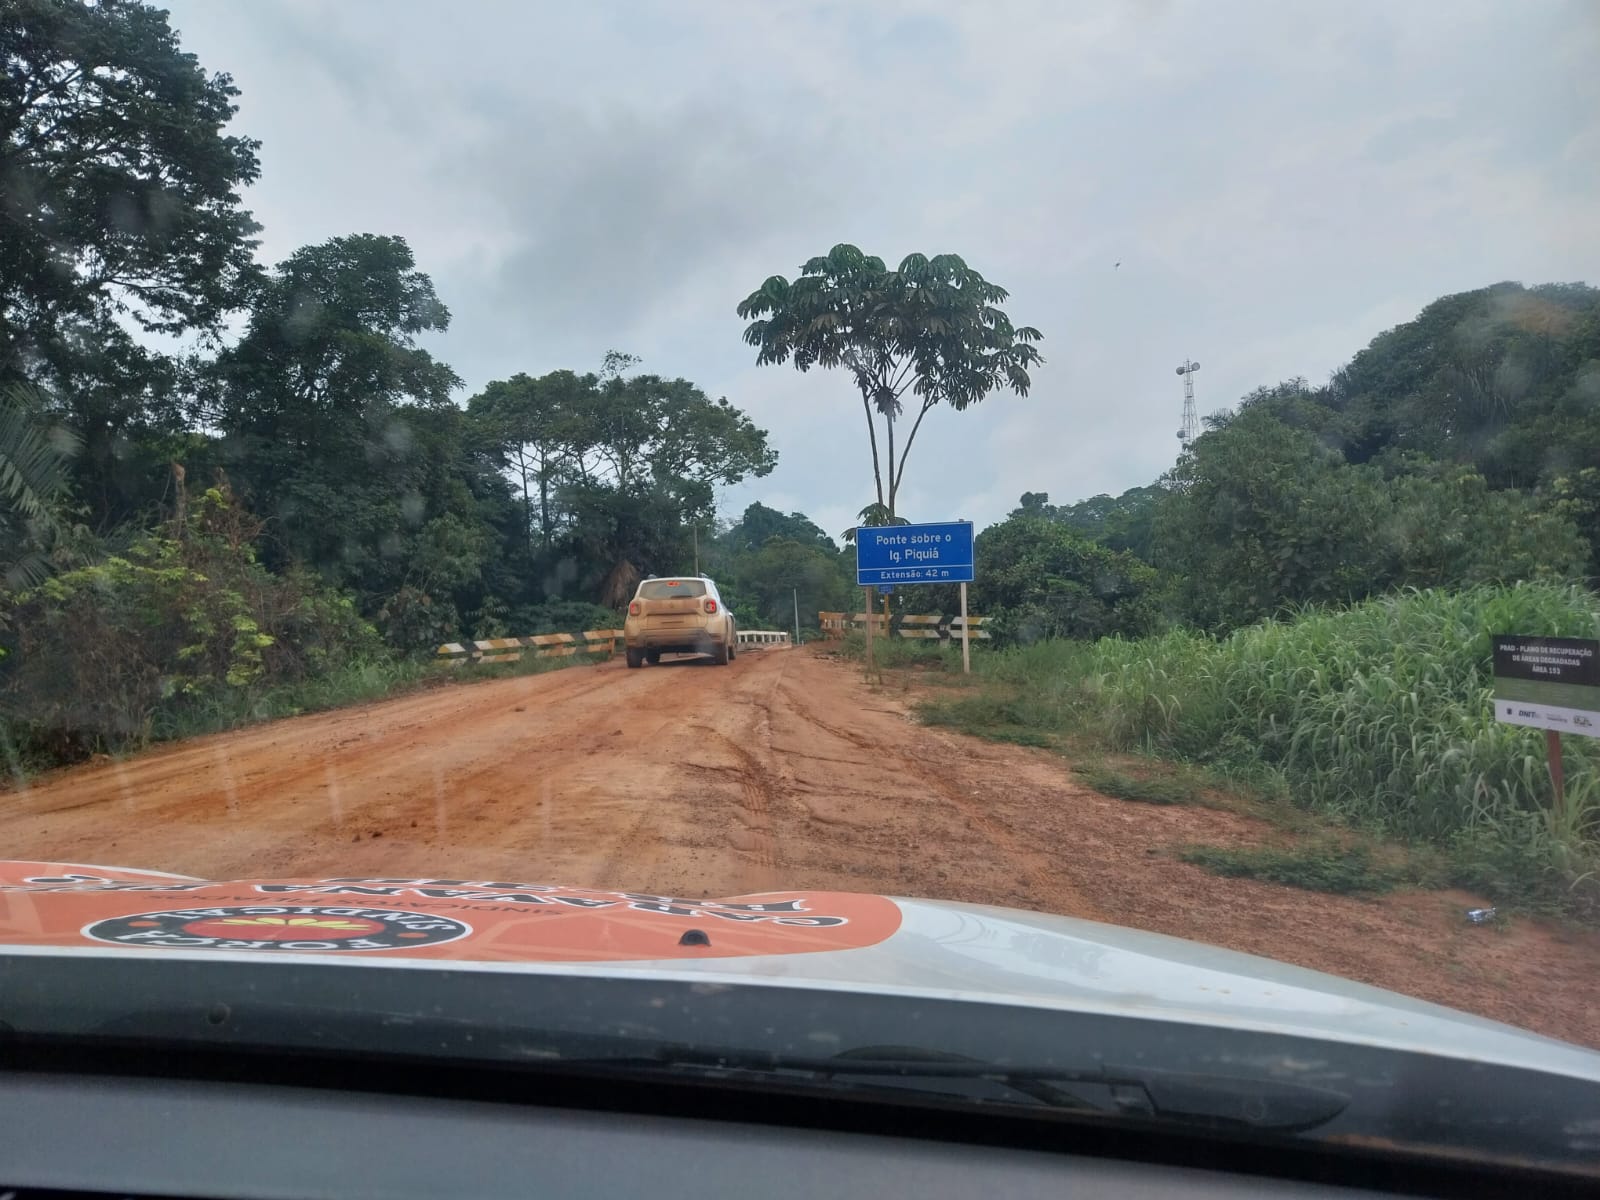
(279,927)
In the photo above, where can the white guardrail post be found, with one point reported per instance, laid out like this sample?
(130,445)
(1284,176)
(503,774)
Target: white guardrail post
(763,638)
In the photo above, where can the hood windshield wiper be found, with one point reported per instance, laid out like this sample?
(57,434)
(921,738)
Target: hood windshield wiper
(1223,1101)
(1217,1100)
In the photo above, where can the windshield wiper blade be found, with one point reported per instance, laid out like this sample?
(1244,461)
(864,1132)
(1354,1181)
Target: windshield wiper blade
(1234,1101)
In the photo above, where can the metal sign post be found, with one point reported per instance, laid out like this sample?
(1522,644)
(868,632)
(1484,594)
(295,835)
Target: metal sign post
(935,553)
(869,618)
(966,650)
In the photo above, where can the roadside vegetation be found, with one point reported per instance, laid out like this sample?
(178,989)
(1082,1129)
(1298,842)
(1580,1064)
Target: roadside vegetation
(183,632)
(1376,717)
(1324,866)
(295,514)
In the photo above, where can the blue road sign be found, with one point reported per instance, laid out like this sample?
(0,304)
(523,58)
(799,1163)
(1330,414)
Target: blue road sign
(914,553)
(886,589)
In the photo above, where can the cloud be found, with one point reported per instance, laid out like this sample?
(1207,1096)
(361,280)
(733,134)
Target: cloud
(1279,184)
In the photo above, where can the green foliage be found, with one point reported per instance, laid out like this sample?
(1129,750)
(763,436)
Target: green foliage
(772,579)
(1325,867)
(1122,522)
(1150,788)
(563,616)
(613,471)
(1263,513)
(1577,498)
(103,655)
(33,487)
(930,328)
(1501,377)
(873,516)
(1038,579)
(1378,716)
(122,211)
(759,524)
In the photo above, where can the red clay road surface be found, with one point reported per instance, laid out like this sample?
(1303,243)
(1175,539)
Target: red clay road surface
(780,771)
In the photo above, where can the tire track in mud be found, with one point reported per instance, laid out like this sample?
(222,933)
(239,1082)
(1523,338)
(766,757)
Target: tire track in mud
(943,782)
(753,839)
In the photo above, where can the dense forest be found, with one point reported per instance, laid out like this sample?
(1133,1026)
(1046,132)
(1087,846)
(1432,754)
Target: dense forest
(1461,447)
(220,477)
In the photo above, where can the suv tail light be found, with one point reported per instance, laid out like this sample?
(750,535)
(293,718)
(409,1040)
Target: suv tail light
(635,608)
(711,605)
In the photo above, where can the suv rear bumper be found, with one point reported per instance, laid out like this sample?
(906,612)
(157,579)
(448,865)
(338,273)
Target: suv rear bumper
(679,639)
(704,644)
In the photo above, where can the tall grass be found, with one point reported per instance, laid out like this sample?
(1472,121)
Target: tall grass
(1379,715)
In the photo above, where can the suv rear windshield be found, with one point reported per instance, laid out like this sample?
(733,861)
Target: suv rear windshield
(668,589)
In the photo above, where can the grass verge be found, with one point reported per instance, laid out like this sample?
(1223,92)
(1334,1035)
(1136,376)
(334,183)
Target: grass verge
(1318,867)
(1377,718)
(1155,788)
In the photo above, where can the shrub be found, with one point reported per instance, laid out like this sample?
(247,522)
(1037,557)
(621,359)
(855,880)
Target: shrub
(1378,715)
(99,656)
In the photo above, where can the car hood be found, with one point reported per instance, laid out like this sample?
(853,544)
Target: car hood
(832,940)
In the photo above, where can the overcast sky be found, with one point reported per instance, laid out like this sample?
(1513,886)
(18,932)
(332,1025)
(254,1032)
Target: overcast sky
(1280,182)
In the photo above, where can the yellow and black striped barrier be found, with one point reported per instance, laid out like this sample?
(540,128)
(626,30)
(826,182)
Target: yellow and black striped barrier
(926,626)
(542,645)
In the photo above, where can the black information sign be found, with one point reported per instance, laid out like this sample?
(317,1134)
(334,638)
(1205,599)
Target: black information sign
(1547,683)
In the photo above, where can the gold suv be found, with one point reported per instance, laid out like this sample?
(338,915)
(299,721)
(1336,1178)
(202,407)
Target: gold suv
(680,615)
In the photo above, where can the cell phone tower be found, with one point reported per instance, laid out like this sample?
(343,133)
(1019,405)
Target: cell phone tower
(1191,423)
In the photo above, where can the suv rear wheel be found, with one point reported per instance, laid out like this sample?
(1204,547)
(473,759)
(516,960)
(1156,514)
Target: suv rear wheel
(635,658)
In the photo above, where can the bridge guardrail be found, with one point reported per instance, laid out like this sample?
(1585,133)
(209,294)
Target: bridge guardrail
(926,626)
(763,637)
(542,645)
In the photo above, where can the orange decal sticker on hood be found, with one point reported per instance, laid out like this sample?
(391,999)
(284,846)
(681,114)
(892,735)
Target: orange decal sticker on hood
(67,905)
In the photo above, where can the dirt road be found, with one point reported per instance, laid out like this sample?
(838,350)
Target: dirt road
(781,771)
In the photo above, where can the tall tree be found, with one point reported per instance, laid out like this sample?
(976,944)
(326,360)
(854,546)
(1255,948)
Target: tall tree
(527,425)
(1264,514)
(338,428)
(1117,522)
(930,329)
(625,465)
(648,454)
(119,208)
(759,524)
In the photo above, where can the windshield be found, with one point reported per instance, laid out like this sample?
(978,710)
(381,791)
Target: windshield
(1135,474)
(671,589)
